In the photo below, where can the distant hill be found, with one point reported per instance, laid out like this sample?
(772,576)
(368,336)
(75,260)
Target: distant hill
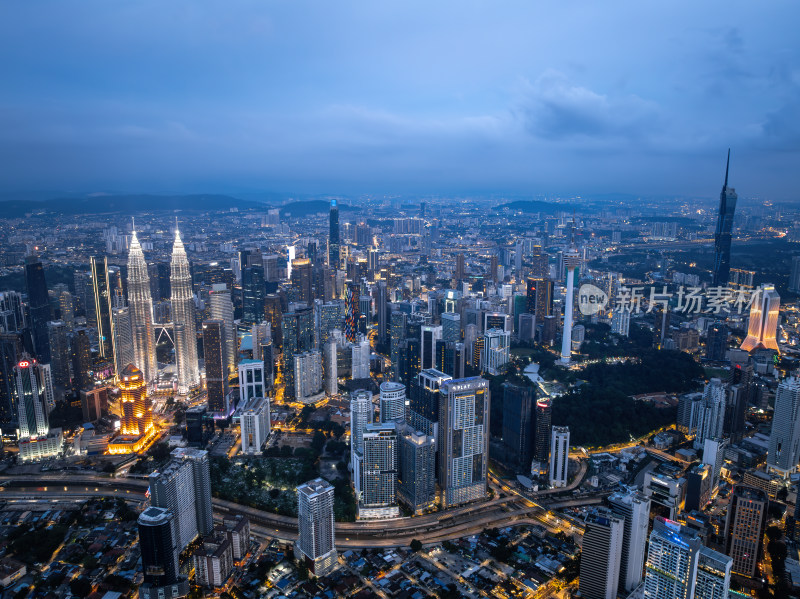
(536,206)
(125,204)
(307,208)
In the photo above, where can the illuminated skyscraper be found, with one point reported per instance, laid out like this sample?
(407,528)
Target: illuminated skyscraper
(352,312)
(559,456)
(183,318)
(518,424)
(784,438)
(33,392)
(572,262)
(158,540)
(722,236)
(744,528)
(102,305)
(137,411)
(601,552)
(124,353)
(333,236)
(464,439)
(301,279)
(222,309)
(141,310)
(316,542)
(763,327)
(216,368)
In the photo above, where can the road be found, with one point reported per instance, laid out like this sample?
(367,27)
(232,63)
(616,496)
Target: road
(436,527)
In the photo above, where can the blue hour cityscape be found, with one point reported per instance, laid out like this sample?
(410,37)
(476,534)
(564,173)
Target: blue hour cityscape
(399,301)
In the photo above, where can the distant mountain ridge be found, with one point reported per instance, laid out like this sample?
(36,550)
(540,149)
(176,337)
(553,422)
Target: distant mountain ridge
(126,204)
(536,206)
(309,207)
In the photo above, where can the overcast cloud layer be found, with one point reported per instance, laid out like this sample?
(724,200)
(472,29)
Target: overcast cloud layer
(400,97)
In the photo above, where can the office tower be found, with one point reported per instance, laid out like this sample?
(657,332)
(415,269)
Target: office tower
(213,560)
(11,349)
(301,280)
(12,312)
(530,295)
(316,541)
(360,356)
(158,543)
(333,236)
(496,320)
(518,424)
(712,415)
(714,456)
(416,482)
(665,494)
(183,318)
(59,352)
(451,327)
(713,575)
(397,328)
(763,325)
(544,298)
(784,439)
(572,262)
(541,450)
(273,312)
(94,403)
(330,316)
(330,368)
(464,439)
(378,470)
(36,439)
(496,350)
(298,336)
(744,528)
(308,376)
(699,483)
(124,352)
(735,408)
(81,360)
(136,410)
(460,272)
(198,461)
(382,308)
(39,306)
(102,305)
(253,285)
(428,338)
(559,456)
(254,423)
(251,381)
(222,310)
(717,342)
(600,555)
(450,358)
(393,402)
(424,400)
(216,367)
(661,320)
(634,508)
(140,303)
(66,303)
(351,310)
(794,275)
(671,566)
(722,236)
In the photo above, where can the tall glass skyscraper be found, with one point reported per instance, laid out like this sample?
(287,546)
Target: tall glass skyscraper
(141,310)
(722,236)
(333,236)
(102,304)
(183,318)
(39,303)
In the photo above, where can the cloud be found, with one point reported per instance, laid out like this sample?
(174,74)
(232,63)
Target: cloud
(554,108)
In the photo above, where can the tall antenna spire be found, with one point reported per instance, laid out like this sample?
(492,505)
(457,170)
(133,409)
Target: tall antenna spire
(133,225)
(727,164)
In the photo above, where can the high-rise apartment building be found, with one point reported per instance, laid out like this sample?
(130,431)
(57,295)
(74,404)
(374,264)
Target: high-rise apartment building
(183,318)
(712,414)
(216,367)
(763,325)
(634,508)
(392,402)
(308,379)
(464,439)
(600,555)
(496,350)
(252,381)
(559,456)
(360,353)
(140,302)
(254,421)
(316,541)
(671,565)
(713,575)
(722,236)
(744,528)
(377,469)
(361,414)
(784,439)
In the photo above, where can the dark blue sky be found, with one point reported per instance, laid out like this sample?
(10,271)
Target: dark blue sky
(400,97)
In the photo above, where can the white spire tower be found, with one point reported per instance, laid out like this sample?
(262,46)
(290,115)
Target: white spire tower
(572,261)
(183,317)
(141,311)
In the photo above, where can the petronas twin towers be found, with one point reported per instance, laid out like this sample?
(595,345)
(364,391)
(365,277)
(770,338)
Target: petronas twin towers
(141,310)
